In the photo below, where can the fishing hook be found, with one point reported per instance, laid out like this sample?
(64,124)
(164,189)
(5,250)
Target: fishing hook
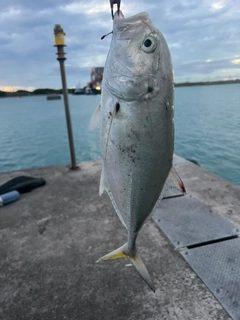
(117,2)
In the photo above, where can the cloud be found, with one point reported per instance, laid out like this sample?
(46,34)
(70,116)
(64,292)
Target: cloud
(13,89)
(203,37)
(236,61)
(97,7)
(218,5)
(10,13)
(85,8)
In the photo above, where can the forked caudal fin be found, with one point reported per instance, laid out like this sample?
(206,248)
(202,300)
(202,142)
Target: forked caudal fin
(136,261)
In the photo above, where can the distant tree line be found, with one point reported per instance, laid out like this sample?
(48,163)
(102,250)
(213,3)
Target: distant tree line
(21,93)
(206,83)
(46,91)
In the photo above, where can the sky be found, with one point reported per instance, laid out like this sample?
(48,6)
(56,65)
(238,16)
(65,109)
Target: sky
(203,37)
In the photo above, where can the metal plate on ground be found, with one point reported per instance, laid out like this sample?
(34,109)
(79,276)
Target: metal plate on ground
(186,221)
(218,265)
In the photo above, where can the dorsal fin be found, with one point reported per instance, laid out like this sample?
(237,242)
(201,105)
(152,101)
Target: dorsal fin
(103,186)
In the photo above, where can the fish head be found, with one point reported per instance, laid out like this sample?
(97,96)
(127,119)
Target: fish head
(139,62)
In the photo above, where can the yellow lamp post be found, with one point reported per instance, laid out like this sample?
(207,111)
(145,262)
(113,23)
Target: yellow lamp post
(60,44)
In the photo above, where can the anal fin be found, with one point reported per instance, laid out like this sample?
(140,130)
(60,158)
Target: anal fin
(105,187)
(102,186)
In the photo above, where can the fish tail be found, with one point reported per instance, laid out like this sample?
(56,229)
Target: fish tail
(134,258)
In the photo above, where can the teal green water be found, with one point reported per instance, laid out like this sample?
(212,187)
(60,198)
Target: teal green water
(207,129)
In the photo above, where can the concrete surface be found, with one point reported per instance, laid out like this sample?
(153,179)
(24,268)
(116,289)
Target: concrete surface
(51,238)
(218,194)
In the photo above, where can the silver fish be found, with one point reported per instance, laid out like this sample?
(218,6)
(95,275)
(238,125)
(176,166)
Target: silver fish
(136,123)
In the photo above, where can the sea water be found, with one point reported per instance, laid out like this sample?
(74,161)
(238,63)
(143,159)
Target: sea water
(33,130)
(207,128)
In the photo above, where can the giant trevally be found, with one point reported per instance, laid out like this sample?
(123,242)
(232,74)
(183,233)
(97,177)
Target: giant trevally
(136,123)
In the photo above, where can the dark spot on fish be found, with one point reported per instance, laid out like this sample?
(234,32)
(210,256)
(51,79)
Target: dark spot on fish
(117,107)
(150,89)
(132,149)
(110,113)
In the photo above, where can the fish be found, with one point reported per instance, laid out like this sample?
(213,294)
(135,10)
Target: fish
(136,121)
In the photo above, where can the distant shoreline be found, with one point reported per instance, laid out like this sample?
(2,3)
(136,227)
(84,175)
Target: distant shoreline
(46,91)
(37,92)
(206,83)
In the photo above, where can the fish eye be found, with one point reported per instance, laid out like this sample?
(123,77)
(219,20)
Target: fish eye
(149,44)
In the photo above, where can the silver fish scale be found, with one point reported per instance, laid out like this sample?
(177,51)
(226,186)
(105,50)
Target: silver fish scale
(133,172)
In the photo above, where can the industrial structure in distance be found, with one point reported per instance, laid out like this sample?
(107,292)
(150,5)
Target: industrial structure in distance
(95,85)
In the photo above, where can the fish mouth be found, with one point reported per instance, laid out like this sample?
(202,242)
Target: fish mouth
(137,18)
(129,89)
(124,28)
(121,23)
(123,94)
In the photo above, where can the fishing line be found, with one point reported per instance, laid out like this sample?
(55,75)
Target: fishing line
(105,35)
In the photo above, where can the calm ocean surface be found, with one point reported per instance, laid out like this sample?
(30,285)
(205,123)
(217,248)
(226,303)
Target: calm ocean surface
(207,129)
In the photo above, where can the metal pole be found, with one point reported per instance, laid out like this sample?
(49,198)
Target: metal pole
(59,43)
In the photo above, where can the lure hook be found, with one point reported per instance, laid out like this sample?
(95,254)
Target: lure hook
(117,2)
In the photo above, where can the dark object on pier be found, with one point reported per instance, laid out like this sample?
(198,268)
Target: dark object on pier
(22,184)
(194,161)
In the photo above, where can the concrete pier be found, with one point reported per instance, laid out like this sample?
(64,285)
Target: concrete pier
(51,238)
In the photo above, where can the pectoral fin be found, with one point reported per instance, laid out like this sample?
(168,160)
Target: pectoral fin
(95,119)
(173,182)
(177,181)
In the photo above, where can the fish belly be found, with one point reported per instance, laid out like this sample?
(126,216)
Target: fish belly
(137,147)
